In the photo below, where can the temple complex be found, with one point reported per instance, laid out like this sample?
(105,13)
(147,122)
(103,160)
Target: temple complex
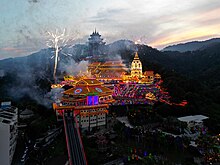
(116,71)
(109,71)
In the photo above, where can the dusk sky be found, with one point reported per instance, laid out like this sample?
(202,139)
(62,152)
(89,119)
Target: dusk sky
(158,23)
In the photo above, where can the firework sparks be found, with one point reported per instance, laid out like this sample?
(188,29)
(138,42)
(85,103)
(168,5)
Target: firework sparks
(57,39)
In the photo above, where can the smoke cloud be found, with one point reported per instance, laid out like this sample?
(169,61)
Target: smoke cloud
(31,85)
(71,67)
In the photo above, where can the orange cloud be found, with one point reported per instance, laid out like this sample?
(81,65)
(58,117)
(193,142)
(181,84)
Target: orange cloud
(194,34)
(12,49)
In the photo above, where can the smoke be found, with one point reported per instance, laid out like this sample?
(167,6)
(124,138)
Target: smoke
(117,57)
(28,84)
(55,95)
(71,67)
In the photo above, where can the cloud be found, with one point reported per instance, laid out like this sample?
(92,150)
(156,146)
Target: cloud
(7,52)
(106,15)
(154,22)
(158,23)
(12,49)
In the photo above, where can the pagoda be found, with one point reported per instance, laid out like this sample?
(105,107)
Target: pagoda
(136,67)
(137,75)
(95,44)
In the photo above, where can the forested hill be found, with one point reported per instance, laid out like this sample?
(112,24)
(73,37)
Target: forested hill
(203,65)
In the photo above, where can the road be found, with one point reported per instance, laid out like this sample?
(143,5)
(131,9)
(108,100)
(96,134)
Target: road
(74,144)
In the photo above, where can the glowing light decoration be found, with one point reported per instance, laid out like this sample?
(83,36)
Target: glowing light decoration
(57,39)
(98,89)
(90,100)
(96,100)
(78,90)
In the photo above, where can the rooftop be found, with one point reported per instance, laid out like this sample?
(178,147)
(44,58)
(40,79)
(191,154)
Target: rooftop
(195,118)
(8,114)
(88,81)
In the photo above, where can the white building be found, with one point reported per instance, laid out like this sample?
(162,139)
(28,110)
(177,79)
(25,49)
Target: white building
(8,134)
(192,121)
(194,125)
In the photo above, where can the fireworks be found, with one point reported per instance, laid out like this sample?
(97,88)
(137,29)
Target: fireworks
(56,41)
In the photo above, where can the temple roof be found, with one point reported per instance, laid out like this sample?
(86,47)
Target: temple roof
(157,75)
(83,90)
(94,64)
(111,73)
(87,86)
(112,63)
(95,33)
(88,82)
(149,73)
(136,56)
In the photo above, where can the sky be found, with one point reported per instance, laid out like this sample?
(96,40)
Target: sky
(24,23)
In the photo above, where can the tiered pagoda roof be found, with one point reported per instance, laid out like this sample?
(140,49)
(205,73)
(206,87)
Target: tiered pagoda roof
(88,86)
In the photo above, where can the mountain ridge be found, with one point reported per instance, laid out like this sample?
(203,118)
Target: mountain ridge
(192,45)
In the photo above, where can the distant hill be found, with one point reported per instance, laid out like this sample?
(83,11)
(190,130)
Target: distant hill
(192,46)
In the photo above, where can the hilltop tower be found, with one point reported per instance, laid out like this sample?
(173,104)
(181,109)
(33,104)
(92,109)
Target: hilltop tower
(95,44)
(136,67)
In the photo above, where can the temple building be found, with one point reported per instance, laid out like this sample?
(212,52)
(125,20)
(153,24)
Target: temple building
(109,71)
(136,67)
(136,75)
(116,71)
(88,100)
(95,44)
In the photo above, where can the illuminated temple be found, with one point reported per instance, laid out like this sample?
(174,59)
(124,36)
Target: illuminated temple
(116,71)
(88,100)
(136,75)
(108,71)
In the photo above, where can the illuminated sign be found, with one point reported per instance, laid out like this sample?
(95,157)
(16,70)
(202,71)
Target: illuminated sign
(78,90)
(92,100)
(98,89)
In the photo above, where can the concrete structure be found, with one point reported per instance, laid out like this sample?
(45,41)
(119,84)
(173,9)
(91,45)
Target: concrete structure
(195,126)
(8,133)
(192,121)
